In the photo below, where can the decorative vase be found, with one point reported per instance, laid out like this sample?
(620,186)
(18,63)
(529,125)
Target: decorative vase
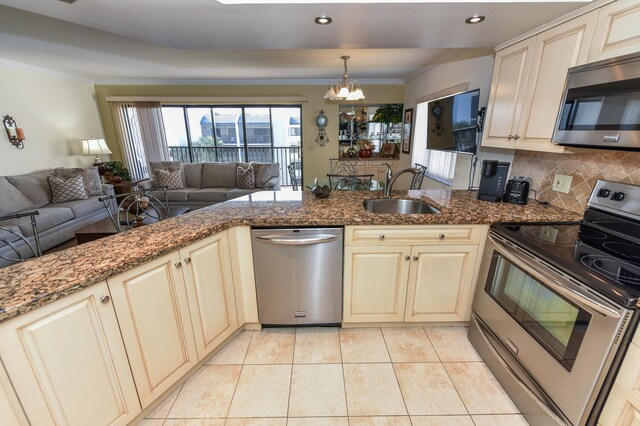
(365,153)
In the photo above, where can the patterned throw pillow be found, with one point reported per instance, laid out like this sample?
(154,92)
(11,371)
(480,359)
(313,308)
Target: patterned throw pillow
(67,189)
(90,177)
(170,180)
(245,178)
(262,172)
(168,166)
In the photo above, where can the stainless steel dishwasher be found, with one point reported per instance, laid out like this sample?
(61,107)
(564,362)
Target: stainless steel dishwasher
(298,275)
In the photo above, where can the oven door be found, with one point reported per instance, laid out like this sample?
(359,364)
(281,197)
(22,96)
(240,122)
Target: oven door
(553,329)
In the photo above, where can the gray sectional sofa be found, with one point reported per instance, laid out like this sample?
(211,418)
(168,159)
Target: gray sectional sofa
(56,222)
(211,183)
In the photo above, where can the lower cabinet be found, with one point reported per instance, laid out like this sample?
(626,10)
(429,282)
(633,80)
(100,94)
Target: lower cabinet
(152,309)
(623,404)
(68,364)
(11,413)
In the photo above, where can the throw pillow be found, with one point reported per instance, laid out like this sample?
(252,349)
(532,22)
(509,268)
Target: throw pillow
(11,199)
(67,189)
(168,166)
(246,178)
(90,178)
(262,172)
(170,180)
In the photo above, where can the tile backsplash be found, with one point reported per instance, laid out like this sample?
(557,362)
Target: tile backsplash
(585,167)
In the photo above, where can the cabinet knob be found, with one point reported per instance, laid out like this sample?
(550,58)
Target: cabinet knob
(509,137)
(187,260)
(516,137)
(178,264)
(105,299)
(441,236)
(381,237)
(407,257)
(415,257)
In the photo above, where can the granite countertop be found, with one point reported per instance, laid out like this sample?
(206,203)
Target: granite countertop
(28,285)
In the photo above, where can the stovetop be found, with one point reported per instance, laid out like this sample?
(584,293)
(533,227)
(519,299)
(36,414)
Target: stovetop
(603,250)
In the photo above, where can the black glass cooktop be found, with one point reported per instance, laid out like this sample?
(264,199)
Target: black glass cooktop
(605,258)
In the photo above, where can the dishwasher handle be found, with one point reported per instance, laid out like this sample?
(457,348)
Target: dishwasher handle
(298,241)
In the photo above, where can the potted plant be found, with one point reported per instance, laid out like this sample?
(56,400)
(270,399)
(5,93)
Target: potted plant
(116,172)
(389,113)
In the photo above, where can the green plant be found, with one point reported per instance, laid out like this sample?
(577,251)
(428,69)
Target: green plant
(389,113)
(116,168)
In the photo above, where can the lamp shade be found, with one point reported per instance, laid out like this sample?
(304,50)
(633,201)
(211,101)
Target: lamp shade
(95,147)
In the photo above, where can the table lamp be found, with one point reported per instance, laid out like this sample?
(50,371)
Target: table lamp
(96,147)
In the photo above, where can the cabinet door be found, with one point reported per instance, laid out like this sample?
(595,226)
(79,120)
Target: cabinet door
(554,52)
(440,283)
(152,309)
(68,364)
(623,404)
(207,273)
(375,283)
(617,31)
(510,73)
(11,413)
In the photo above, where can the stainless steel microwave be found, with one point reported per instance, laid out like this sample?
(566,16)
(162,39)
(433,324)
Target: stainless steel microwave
(601,105)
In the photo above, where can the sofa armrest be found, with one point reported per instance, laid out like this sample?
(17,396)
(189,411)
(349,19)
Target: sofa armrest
(107,189)
(272,184)
(147,184)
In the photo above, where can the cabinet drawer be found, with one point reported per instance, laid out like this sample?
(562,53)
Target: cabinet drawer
(360,235)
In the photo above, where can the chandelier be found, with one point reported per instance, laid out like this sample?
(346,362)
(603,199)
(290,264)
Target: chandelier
(344,90)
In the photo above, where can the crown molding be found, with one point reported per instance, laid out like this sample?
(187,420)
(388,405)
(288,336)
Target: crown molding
(232,82)
(43,70)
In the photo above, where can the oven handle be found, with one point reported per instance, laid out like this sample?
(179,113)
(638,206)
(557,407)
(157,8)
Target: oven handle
(525,381)
(552,281)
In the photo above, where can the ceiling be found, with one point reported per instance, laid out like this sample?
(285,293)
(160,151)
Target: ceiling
(204,40)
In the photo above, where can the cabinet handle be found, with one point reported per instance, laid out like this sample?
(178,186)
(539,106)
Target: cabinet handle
(509,137)
(407,257)
(516,137)
(415,257)
(187,260)
(381,237)
(441,236)
(178,264)
(104,299)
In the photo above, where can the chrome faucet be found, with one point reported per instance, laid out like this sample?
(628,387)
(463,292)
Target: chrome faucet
(391,178)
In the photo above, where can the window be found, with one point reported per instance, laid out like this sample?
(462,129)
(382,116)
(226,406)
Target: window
(440,164)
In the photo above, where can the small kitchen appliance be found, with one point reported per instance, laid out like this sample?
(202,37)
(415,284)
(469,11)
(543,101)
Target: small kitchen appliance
(517,190)
(556,306)
(492,180)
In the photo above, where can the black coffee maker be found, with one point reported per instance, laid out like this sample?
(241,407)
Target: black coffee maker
(492,180)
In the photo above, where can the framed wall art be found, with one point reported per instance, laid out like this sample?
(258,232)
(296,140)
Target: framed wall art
(407,131)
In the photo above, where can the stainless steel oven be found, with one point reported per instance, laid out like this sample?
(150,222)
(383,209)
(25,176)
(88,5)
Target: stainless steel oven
(550,337)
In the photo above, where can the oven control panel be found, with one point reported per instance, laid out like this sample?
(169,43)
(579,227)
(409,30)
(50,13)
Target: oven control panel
(616,197)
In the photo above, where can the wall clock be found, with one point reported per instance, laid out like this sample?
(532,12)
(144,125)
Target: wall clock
(321,122)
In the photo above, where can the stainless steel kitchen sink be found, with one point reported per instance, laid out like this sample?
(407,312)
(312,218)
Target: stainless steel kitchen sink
(397,206)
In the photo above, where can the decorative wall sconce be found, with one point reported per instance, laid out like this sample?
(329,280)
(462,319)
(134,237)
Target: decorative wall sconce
(15,134)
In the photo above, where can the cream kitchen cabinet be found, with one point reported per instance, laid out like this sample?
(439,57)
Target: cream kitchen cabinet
(68,363)
(210,291)
(11,413)
(153,312)
(409,273)
(528,83)
(617,31)
(623,403)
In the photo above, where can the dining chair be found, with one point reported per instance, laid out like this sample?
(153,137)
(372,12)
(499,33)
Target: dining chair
(350,182)
(295,174)
(341,166)
(416,181)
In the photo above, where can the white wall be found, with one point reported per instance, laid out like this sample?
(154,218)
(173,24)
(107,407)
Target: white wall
(56,112)
(476,72)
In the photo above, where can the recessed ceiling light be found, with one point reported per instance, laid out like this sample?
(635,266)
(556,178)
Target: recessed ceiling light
(475,19)
(323,20)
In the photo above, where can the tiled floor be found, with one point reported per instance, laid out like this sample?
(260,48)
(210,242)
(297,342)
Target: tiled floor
(329,376)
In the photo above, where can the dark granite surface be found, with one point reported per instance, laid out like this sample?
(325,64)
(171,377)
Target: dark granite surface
(30,284)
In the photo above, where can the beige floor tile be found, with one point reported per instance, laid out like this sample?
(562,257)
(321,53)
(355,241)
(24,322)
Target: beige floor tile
(317,345)
(427,389)
(195,422)
(151,422)
(271,346)
(500,420)
(372,390)
(479,389)
(207,394)
(317,390)
(380,421)
(363,345)
(262,391)
(441,421)
(234,351)
(282,421)
(318,421)
(409,345)
(162,410)
(452,344)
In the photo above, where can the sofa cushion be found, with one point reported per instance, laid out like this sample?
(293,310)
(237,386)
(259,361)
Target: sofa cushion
(7,235)
(245,177)
(47,219)
(192,175)
(34,186)
(11,199)
(209,194)
(170,180)
(264,172)
(181,194)
(67,189)
(90,178)
(219,175)
(82,208)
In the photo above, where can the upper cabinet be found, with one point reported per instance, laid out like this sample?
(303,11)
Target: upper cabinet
(528,82)
(617,31)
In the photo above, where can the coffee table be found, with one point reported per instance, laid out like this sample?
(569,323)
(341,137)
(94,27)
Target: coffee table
(104,228)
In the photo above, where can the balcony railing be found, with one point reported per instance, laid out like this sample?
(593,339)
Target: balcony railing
(200,154)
